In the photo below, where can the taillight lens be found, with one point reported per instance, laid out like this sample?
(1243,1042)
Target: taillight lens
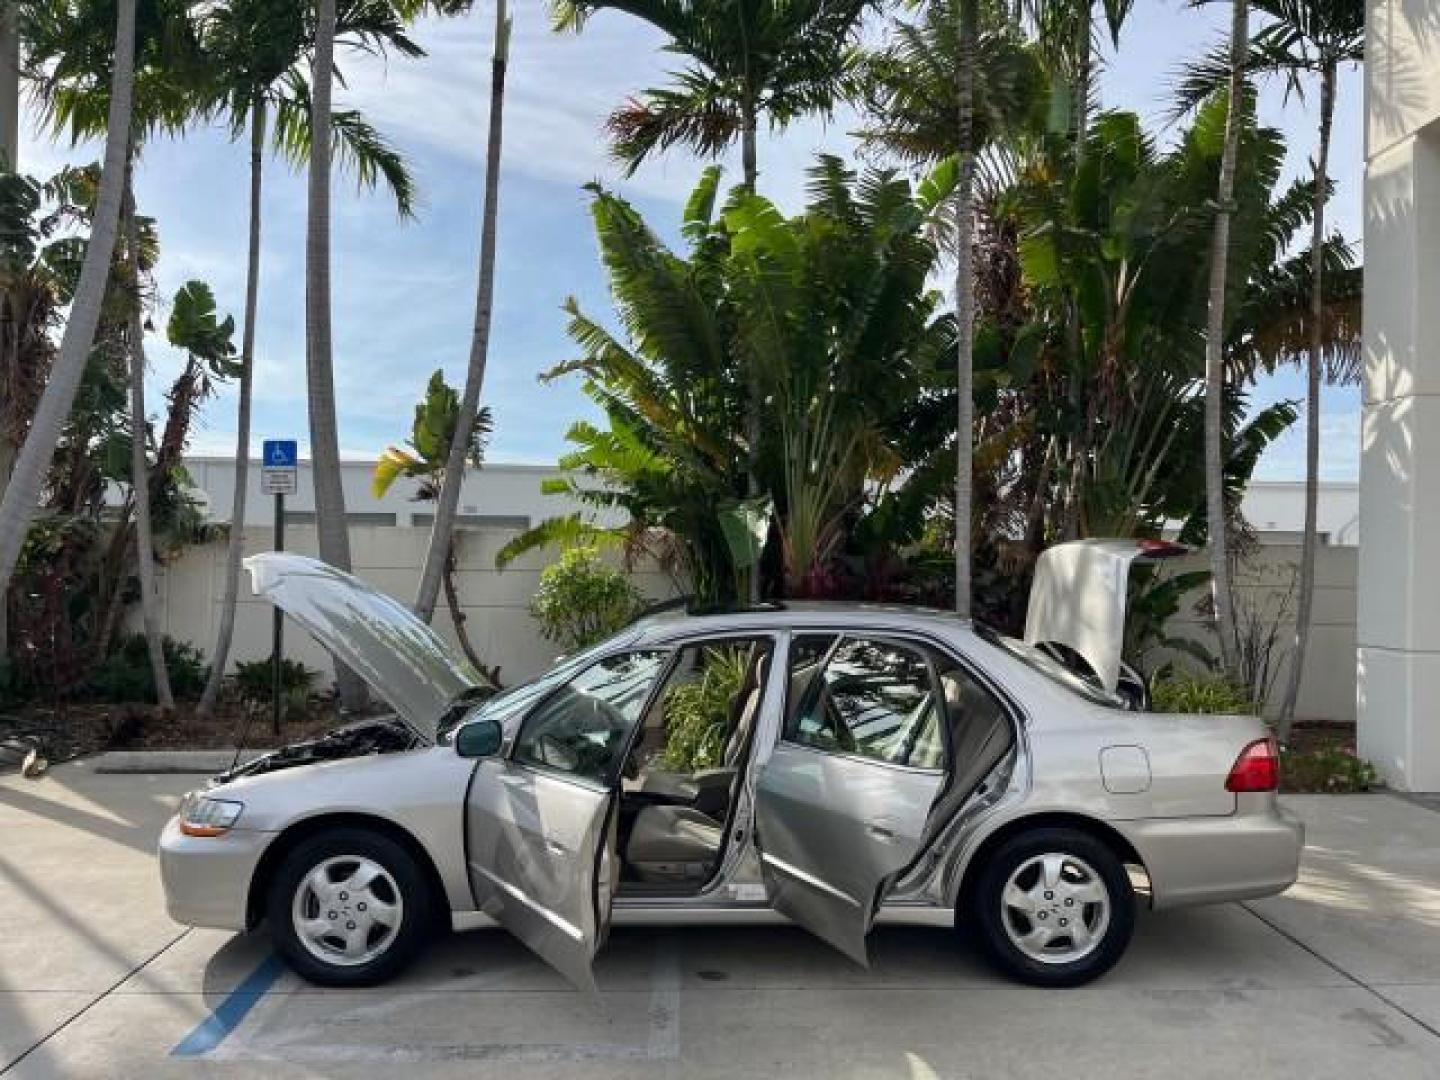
(1256,769)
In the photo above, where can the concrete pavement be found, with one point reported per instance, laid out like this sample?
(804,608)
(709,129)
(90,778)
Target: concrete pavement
(1340,977)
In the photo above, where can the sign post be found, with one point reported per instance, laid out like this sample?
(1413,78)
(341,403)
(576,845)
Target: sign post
(278,468)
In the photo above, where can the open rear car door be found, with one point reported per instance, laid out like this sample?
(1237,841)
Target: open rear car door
(843,801)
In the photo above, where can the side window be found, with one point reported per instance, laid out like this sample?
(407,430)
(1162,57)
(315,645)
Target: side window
(979,725)
(583,727)
(875,699)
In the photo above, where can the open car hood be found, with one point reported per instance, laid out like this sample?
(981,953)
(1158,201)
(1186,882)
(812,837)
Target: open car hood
(1079,595)
(381,640)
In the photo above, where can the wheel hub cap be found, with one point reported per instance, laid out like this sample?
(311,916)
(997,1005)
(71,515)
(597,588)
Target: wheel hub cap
(1055,908)
(347,910)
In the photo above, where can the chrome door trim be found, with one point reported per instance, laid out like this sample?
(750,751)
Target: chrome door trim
(565,926)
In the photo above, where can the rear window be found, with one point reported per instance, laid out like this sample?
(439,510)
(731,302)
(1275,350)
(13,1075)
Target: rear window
(1077,682)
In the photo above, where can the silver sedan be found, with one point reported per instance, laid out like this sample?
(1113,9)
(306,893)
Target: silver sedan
(860,765)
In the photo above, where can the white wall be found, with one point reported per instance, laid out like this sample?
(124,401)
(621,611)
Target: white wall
(1327,690)
(504,490)
(495,602)
(503,632)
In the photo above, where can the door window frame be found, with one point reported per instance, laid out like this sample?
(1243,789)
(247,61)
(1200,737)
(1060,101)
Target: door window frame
(925,652)
(611,781)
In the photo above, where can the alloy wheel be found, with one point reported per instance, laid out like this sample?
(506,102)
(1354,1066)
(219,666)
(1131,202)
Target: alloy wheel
(1055,908)
(347,910)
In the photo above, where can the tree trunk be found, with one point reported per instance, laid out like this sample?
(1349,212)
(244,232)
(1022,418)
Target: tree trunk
(457,615)
(1312,405)
(10,86)
(330,525)
(22,494)
(443,530)
(139,462)
(965,308)
(1084,67)
(754,422)
(1215,509)
(236,545)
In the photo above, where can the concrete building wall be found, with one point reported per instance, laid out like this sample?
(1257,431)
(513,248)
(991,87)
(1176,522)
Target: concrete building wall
(496,604)
(508,494)
(1398,652)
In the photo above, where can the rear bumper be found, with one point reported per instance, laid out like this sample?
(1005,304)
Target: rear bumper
(207,879)
(1207,860)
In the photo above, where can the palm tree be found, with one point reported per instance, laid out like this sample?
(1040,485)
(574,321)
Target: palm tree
(965,304)
(257,49)
(780,59)
(330,525)
(439,554)
(1305,37)
(70,51)
(1215,326)
(21,498)
(426,458)
(953,66)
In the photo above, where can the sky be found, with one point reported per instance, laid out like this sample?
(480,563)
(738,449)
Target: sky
(404,291)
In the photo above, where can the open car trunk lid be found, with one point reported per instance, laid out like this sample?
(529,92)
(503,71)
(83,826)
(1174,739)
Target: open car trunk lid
(1079,595)
(404,661)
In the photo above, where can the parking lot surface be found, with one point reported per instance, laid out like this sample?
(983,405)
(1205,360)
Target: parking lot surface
(1340,977)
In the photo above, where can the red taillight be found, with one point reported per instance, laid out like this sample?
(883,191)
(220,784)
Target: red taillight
(1161,549)
(1256,769)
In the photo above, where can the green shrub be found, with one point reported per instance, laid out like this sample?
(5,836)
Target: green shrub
(1182,692)
(1330,768)
(125,676)
(255,679)
(697,713)
(582,600)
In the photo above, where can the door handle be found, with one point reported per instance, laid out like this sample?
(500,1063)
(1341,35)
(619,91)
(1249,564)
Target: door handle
(880,832)
(555,846)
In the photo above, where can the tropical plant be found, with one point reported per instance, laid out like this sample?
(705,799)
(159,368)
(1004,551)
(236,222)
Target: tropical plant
(255,53)
(581,599)
(21,499)
(1185,692)
(697,712)
(426,459)
(1303,38)
(438,552)
(842,291)
(748,59)
(255,683)
(126,674)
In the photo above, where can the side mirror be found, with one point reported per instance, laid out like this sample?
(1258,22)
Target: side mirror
(479,738)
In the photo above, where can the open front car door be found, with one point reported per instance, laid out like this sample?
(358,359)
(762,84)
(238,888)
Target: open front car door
(541,820)
(843,801)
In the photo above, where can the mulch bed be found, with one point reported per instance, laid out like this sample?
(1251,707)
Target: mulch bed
(72,731)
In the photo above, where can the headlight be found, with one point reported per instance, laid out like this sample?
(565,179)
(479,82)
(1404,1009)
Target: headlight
(201,816)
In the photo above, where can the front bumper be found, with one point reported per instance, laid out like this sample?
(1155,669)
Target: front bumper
(207,879)
(1206,860)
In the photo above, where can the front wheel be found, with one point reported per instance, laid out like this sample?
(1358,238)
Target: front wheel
(1054,907)
(348,908)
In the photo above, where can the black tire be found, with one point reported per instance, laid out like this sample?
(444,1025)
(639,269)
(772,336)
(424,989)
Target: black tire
(409,881)
(989,913)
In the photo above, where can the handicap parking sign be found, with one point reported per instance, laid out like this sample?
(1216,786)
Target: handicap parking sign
(278,466)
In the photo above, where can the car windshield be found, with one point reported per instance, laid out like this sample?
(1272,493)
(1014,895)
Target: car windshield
(508,700)
(1039,660)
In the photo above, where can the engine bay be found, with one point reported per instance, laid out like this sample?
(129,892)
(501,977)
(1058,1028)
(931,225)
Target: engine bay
(373,735)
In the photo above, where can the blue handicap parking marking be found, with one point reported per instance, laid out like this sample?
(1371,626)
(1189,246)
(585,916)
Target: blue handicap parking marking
(226,1016)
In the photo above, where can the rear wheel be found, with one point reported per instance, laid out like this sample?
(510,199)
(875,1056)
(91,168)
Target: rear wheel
(348,908)
(1054,907)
